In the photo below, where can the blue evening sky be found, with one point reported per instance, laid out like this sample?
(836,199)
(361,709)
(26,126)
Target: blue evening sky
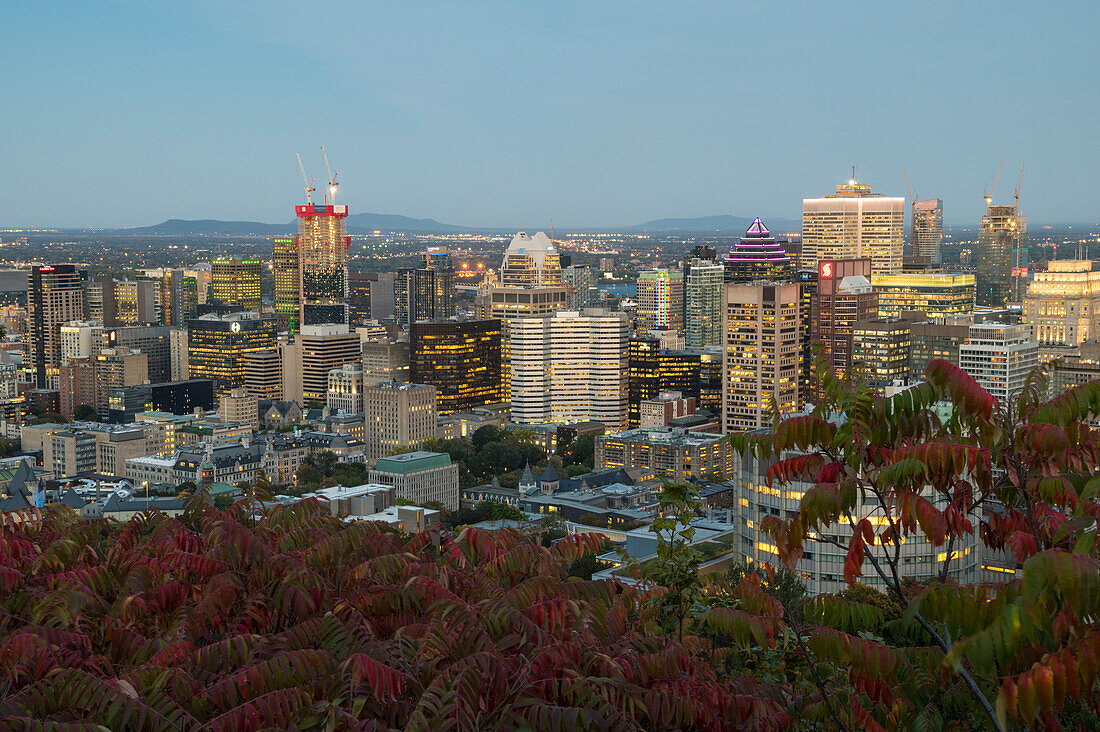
(593,113)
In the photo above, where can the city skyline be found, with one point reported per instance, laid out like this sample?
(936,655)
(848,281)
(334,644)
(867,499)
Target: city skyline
(493,116)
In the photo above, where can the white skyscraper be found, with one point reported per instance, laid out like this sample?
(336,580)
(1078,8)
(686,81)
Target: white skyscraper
(999,357)
(851,224)
(570,367)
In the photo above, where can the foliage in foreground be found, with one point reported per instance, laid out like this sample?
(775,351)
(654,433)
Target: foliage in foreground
(219,621)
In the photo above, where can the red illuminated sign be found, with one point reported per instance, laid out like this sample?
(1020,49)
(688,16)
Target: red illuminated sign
(46,268)
(826,270)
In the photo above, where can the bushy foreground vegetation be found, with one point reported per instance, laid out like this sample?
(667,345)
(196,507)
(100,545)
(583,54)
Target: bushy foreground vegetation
(241,619)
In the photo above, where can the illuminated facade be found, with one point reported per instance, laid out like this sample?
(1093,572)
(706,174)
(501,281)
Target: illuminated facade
(398,417)
(531,261)
(762,324)
(438,260)
(674,454)
(460,358)
(235,282)
(926,230)
(54,297)
(315,351)
(570,367)
(323,263)
(935,295)
(854,223)
(1000,358)
(288,302)
(880,348)
(844,297)
(758,256)
(940,338)
(1002,259)
(1063,303)
(345,389)
(218,347)
(652,370)
(703,281)
(116,368)
(661,299)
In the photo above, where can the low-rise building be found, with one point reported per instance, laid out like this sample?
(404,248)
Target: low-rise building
(355,501)
(672,452)
(420,477)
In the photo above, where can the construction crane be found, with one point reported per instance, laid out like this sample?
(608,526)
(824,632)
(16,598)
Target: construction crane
(332,184)
(1018,184)
(308,187)
(912,196)
(988,196)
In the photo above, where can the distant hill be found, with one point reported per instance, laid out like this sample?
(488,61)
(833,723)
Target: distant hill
(364,223)
(357,224)
(367,222)
(183,227)
(725,224)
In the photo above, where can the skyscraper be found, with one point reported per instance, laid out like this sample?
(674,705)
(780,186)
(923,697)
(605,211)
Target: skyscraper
(116,368)
(935,295)
(1000,357)
(218,346)
(531,261)
(1002,258)
(703,303)
(179,296)
(880,348)
(570,367)
(583,292)
(758,256)
(54,297)
(926,232)
(460,358)
(761,374)
(438,259)
(235,282)
(315,351)
(323,263)
(854,223)
(661,299)
(360,285)
(844,297)
(530,286)
(398,417)
(288,296)
(415,293)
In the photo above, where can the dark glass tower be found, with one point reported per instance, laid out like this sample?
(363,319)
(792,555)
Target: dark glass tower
(1002,257)
(460,358)
(758,256)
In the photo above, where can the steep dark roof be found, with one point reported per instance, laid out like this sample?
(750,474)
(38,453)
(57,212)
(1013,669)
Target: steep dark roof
(19,492)
(550,474)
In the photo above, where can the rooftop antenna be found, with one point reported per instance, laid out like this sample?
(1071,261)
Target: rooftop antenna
(853,180)
(988,196)
(332,184)
(308,187)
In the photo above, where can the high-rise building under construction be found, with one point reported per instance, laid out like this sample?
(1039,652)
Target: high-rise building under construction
(323,263)
(1002,259)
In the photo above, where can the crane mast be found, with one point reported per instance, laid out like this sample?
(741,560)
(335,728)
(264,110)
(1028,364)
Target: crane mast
(332,184)
(308,187)
(989,196)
